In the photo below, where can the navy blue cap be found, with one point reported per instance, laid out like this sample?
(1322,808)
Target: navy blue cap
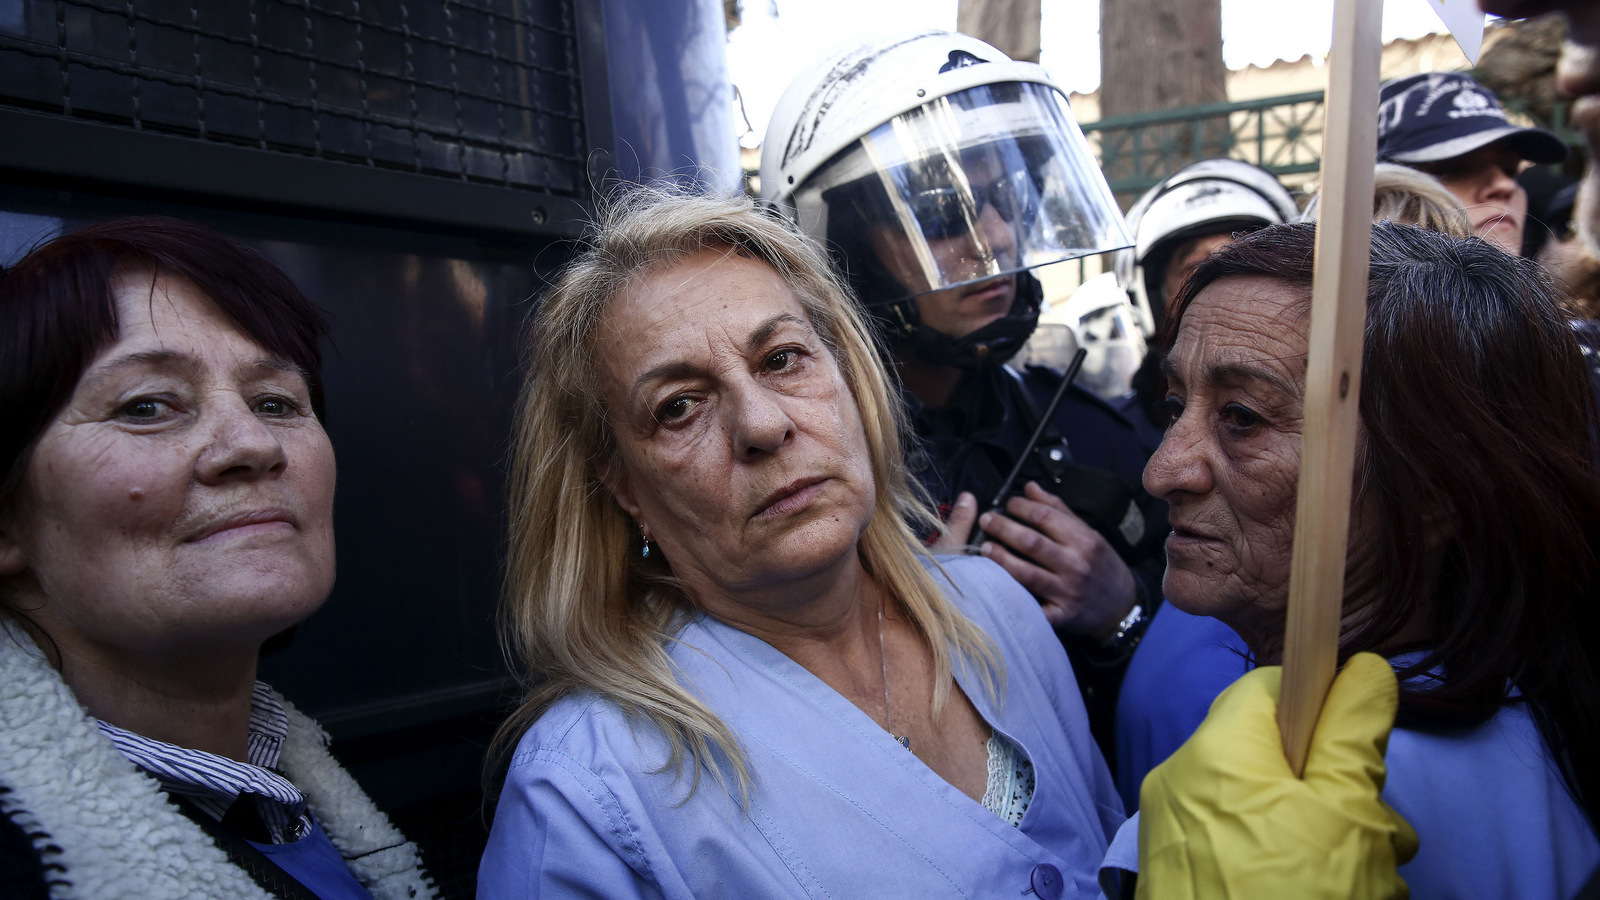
(1442,115)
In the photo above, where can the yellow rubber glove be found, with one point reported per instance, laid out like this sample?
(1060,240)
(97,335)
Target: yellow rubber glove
(1224,817)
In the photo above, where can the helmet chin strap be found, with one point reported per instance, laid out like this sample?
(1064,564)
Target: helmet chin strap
(991,345)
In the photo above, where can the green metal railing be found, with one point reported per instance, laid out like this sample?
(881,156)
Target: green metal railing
(1281,134)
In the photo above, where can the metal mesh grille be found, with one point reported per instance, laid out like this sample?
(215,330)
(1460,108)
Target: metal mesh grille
(484,91)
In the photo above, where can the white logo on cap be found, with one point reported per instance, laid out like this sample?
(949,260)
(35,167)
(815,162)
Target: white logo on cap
(1470,103)
(1438,86)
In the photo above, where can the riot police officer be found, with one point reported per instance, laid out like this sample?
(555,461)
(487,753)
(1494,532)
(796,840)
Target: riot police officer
(939,172)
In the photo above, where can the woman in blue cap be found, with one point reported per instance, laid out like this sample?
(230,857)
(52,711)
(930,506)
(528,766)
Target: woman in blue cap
(1454,128)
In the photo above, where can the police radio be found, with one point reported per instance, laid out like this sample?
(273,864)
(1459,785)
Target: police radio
(1100,498)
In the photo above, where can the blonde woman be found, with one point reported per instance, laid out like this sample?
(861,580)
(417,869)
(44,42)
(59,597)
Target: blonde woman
(748,678)
(1411,197)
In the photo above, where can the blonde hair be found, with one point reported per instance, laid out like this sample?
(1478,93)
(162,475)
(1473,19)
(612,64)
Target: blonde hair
(1410,197)
(582,609)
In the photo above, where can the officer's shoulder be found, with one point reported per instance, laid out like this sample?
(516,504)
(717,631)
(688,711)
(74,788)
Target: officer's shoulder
(1083,407)
(1043,382)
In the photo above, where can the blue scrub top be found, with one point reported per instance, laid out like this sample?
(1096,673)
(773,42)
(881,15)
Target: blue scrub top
(1489,806)
(837,809)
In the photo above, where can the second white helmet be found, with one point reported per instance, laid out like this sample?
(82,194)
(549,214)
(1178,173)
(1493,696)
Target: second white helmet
(1213,196)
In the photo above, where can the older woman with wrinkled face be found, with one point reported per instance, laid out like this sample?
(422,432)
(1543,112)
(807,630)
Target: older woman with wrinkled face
(1475,516)
(751,679)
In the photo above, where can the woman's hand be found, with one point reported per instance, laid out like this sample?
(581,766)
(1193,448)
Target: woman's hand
(1225,816)
(1084,587)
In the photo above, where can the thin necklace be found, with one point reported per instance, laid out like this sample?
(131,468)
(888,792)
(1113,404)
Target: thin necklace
(883,659)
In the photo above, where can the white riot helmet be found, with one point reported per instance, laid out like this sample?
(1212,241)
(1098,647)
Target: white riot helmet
(1213,196)
(934,161)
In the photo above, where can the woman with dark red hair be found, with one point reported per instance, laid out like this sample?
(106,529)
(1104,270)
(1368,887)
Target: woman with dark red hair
(166,505)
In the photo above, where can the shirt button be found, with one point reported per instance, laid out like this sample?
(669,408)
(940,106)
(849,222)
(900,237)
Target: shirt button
(1046,881)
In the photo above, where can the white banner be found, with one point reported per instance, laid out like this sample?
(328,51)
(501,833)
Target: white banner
(1465,21)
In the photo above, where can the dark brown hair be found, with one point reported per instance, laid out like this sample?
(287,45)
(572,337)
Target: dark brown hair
(1477,464)
(58,311)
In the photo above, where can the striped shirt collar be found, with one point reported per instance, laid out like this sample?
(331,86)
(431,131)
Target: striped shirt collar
(214,782)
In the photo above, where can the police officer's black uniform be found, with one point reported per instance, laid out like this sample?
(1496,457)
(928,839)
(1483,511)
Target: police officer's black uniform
(971,444)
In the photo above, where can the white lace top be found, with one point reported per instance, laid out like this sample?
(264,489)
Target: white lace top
(1010,787)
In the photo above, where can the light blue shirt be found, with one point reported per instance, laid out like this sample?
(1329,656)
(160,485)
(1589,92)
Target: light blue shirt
(1491,812)
(838,808)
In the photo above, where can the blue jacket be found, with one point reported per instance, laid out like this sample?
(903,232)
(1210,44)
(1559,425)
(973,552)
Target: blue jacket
(1489,806)
(838,808)
(1491,811)
(1183,663)
(1492,816)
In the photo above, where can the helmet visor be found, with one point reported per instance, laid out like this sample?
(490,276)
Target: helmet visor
(985,182)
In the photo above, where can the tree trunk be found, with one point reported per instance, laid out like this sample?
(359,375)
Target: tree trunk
(1158,54)
(1011,26)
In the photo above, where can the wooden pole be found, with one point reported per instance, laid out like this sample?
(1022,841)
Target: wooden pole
(1333,373)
